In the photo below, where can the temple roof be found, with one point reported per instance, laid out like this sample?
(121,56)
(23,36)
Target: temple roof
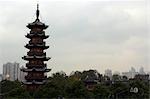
(90,79)
(38,24)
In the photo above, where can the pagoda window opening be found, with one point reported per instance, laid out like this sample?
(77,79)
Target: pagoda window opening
(36,50)
(36,62)
(39,50)
(35,29)
(36,75)
(36,40)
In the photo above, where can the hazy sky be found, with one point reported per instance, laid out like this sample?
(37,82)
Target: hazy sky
(100,34)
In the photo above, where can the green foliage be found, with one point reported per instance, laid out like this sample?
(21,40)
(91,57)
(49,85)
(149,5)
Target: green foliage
(101,91)
(60,85)
(120,89)
(143,89)
(13,89)
(76,89)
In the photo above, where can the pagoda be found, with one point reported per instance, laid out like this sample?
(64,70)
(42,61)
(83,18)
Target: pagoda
(35,67)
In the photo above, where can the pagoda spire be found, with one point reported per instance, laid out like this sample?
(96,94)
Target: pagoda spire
(37,12)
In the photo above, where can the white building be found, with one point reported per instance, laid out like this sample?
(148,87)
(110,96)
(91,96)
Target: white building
(1,77)
(108,73)
(131,73)
(11,71)
(141,71)
(22,75)
(116,73)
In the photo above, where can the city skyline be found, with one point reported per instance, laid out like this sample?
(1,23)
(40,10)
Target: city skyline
(83,35)
(13,70)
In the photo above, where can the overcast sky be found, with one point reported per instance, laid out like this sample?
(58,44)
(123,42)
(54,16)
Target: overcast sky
(100,34)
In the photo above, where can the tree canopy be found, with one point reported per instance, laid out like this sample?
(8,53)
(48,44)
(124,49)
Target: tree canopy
(60,85)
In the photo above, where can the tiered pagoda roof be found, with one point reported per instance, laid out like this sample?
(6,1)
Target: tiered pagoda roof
(29,46)
(44,69)
(37,24)
(44,58)
(37,34)
(36,68)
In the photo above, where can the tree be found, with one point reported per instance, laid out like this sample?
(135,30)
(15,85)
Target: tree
(54,88)
(120,89)
(101,91)
(77,89)
(143,89)
(116,77)
(13,89)
(73,86)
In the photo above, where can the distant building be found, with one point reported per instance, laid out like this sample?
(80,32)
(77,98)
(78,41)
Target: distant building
(116,73)
(108,73)
(22,75)
(90,82)
(131,73)
(141,71)
(149,75)
(91,79)
(1,77)
(127,74)
(143,77)
(11,71)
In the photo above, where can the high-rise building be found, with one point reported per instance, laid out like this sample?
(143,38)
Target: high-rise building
(141,71)
(108,73)
(1,77)
(11,71)
(131,73)
(36,68)
(22,74)
(116,73)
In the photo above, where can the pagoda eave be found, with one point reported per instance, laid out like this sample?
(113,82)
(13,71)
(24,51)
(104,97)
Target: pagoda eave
(44,58)
(37,24)
(38,45)
(37,35)
(35,78)
(35,70)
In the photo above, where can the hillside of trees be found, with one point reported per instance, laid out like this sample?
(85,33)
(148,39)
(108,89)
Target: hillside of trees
(60,86)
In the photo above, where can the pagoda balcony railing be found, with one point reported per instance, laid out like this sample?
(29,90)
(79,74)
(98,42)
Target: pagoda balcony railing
(36,53)
(41,43)
(35,78)
(35,65)
(32,45)
(40,32)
